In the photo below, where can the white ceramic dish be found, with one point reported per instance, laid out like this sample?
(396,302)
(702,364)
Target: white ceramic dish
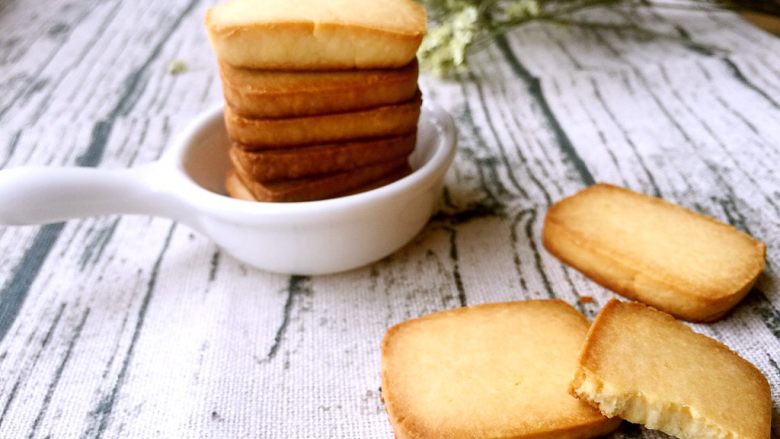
(186,184)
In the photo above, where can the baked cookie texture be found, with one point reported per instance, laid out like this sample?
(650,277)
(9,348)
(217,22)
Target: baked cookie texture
(235,188)
(488,371)
(383,121)
(646,367)
(316,34)
(274,94)
(647,249)
(319,94)
(311,161)
(317,188)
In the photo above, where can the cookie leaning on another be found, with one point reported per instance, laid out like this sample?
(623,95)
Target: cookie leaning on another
(645,248)
(488,371)
(646,367)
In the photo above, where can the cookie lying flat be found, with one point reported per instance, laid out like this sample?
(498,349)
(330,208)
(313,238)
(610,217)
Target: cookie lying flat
(280,164)
(489,371)
(235,188)
(642,247)
(322,187)
(274,94)
(644,366)
(388,120)
(316,34)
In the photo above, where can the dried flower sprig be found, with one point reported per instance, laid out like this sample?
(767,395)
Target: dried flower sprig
(458,26)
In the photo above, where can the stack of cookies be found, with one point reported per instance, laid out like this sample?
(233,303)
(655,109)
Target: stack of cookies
(321,97)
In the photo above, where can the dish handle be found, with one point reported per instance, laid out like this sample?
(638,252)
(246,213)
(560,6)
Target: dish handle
(40,195)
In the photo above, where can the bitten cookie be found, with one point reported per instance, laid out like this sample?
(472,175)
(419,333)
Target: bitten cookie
(647,249)
(488,371)
(648,368)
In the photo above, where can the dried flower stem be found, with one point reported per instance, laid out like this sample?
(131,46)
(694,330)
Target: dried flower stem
(460,25)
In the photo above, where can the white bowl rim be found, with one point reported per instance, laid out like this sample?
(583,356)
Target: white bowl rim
(215,203)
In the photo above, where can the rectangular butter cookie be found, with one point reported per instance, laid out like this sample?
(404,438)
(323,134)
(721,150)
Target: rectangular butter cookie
(265,133)
(648,368)
(489,371)
(316,34)
(647,249)
(275,94)
(310,161)
(322,187)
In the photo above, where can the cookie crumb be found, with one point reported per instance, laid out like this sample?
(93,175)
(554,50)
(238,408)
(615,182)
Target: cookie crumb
(177,66)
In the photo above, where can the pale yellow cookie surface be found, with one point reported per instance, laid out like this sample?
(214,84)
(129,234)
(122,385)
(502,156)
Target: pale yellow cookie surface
(236,189)
(648,368)
(489,371)
(645,248)
(316,34)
